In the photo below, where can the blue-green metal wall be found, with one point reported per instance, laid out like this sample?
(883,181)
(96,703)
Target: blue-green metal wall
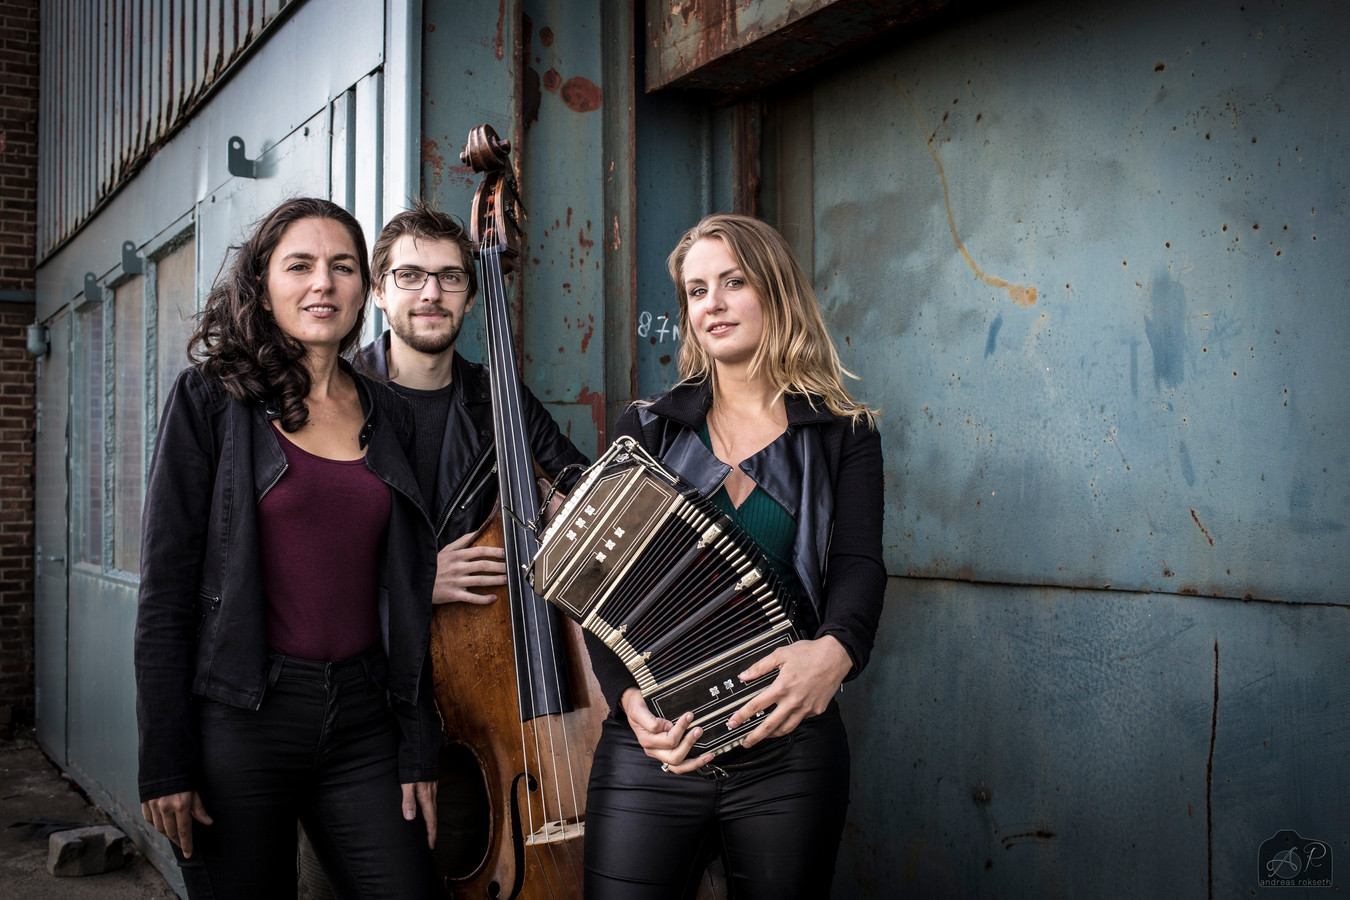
(1113,660)
(1114,656)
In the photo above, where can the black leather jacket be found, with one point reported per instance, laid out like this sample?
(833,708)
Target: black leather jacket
(201,628)
(466,480)
(827,474)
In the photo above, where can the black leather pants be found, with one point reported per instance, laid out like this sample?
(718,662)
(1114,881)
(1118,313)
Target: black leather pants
(775,813)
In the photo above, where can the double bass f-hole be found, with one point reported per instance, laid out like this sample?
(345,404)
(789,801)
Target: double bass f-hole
(516,697)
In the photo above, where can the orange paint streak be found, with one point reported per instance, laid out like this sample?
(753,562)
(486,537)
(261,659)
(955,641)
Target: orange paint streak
(1022,295)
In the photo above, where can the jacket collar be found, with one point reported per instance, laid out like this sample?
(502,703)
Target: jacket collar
(271,410)
(688,402)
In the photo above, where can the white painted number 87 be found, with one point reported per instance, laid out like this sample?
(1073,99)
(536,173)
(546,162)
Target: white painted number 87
(644,327)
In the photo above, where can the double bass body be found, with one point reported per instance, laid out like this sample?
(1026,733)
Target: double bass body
(532,774)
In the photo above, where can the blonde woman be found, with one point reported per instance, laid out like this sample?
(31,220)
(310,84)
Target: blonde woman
(763,424)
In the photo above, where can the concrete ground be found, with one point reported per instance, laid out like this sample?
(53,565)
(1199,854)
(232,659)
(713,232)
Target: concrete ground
(31,787)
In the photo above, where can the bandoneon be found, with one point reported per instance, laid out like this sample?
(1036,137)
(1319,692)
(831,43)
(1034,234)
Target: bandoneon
(685,598)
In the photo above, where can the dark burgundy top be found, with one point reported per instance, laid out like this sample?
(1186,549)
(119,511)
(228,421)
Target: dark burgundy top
(321,527)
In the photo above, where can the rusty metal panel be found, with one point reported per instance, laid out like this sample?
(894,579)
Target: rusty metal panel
(470,54)
(557,81)
(1087,260)
(563,275)
(735,47)
(117,80)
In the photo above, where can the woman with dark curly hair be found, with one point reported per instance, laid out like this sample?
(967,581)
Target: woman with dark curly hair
(286,573)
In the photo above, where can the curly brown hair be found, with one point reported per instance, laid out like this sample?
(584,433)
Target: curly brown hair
(239,343)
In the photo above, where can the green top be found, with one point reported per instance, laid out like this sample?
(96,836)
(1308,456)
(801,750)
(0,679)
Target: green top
(764,520)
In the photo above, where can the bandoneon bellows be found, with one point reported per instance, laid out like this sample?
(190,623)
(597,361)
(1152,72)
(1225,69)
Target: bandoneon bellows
(667,581)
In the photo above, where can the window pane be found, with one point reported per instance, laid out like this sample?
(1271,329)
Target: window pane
(129,417)
(175,291)
(87,435)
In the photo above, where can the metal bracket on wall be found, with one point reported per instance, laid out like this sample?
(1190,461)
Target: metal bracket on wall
(93,293)
(131,263)
(239,164)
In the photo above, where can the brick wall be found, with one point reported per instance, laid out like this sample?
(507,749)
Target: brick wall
(18,231)
(17,391)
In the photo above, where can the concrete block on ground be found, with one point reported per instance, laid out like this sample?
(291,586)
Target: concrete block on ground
(86,851)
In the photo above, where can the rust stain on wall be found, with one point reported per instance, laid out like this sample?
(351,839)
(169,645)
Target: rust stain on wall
(597,405)
(431,155)
(590,333)
(501,19)
(581,94)
(1022,295)
(1202,528)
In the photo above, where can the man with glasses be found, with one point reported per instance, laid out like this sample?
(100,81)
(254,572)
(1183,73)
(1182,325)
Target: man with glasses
(425,281)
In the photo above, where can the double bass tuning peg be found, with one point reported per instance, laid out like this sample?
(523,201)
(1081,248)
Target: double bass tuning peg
(485,150)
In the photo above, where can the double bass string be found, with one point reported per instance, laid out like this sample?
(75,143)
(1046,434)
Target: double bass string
(521,494)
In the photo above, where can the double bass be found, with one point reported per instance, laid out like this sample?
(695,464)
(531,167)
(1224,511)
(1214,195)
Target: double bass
(519,705)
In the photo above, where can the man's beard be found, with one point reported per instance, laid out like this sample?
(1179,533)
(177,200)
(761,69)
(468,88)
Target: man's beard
(431,344)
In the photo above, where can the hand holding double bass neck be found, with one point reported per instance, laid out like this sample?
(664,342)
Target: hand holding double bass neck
(516,721)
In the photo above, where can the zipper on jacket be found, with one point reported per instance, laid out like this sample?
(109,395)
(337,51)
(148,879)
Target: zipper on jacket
(273,483)
(473,487)
(213,605)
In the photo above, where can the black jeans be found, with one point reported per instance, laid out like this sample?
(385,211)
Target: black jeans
(322,749)
(775,812)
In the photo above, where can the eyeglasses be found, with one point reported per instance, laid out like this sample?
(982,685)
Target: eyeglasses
(452,281)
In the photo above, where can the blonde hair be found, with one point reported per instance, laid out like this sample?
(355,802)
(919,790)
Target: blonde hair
(795,354)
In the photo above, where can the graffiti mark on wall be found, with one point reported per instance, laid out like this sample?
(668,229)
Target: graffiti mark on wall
(1022,295)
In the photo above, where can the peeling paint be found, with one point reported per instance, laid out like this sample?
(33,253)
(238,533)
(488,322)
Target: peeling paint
(497,45)
(590,333)
(597,405)
(431,155)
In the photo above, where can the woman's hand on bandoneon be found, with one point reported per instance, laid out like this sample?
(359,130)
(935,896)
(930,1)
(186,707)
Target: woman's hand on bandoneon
(664,741)
(809,674)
